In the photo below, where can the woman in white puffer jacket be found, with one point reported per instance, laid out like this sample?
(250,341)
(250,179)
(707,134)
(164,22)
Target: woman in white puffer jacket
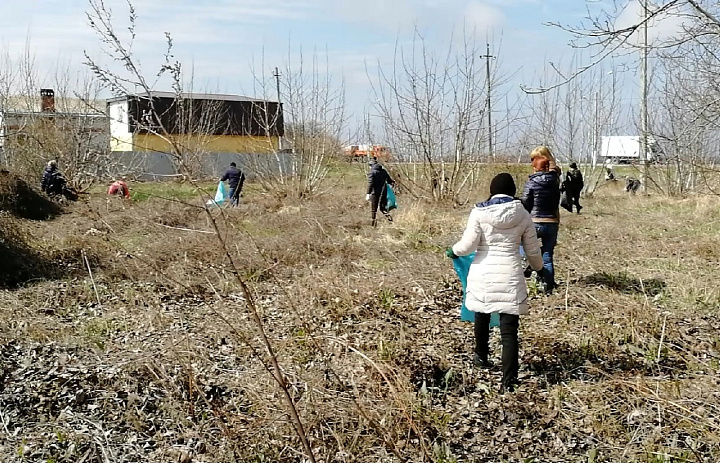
(495,283)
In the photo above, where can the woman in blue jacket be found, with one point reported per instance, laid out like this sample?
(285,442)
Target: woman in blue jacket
(541,198)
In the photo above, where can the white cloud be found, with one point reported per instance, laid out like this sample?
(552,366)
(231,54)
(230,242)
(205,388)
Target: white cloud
(221,38)
(661,28)
(376,15)
(484,18)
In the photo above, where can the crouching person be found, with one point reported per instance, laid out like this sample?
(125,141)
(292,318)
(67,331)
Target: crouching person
(495,283)
(53,181)
(54,184)
(632,185)
(119,188)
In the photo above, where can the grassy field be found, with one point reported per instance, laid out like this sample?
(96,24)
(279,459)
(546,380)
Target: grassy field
(139,345)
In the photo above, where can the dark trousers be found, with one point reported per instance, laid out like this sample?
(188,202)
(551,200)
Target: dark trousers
(574,197)
(510,346)
(378,202)
(235,195)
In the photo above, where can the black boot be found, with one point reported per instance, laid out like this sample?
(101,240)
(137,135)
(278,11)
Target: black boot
(482,340)
(510,350)
(482,362)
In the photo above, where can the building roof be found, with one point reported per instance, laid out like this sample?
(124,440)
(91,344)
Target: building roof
(27,104)
(52,114)
(190,96)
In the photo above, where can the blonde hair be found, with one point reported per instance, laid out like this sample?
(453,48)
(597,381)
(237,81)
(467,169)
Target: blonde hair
(541,152)
(544,152)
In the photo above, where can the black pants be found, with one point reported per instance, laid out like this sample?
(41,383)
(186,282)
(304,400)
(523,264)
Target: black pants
(378,202)
(575,199)
(235,195)
(510,346)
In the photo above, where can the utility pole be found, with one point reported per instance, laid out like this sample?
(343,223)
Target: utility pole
(276,74)
(596,137)
(644,102)
(487,57)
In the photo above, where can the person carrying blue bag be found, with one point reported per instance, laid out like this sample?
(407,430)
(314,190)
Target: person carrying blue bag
(377,192)
(235,178)
(462,268)
(495,283)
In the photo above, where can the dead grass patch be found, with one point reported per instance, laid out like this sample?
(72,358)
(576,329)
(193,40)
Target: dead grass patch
(625,283)
(620,364)
(19,199)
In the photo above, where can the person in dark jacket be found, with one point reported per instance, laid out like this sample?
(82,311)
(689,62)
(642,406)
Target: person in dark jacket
(573,186)
(541,198)
(235,178)
(378,179)
(632,185)
(53,182)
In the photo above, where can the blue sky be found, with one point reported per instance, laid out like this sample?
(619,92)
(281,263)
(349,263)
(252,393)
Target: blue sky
(224,40)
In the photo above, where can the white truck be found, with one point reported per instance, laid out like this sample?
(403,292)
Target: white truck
(627,149)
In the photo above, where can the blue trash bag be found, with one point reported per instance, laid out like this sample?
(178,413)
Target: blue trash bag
(221,196)
(391,202)
(462,267)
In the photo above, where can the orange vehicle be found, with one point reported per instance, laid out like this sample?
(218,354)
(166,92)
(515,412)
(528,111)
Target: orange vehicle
(366,152)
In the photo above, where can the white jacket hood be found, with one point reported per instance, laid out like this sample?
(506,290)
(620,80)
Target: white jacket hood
(494,232)
(504,215)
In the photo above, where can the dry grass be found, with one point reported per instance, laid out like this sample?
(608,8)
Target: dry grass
(155,358)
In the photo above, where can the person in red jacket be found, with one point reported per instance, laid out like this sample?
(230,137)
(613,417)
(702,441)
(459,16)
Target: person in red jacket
(119,188)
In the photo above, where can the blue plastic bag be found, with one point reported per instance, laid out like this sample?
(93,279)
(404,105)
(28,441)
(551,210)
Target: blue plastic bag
(391,202)
(462,267)
(221,196)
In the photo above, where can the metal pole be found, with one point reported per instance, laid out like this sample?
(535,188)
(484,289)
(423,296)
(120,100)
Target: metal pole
(276,74)
(596,138)
(644,108)
(489,101)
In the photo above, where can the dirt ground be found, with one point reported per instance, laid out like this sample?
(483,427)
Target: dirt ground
(133,341)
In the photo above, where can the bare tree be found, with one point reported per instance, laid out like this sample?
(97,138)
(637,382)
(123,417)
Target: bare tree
(185,128)
(689,130)
(314,119)
(685,41)
(70,126)
(573,118)
(432,109)
(102,23)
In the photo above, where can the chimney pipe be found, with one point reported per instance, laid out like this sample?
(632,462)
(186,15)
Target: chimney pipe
(47,100)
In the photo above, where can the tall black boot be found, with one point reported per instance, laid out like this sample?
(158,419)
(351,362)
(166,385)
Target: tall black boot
(482,340)
(510,350)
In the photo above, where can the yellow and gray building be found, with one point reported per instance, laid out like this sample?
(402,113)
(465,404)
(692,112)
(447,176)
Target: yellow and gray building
(165,122)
